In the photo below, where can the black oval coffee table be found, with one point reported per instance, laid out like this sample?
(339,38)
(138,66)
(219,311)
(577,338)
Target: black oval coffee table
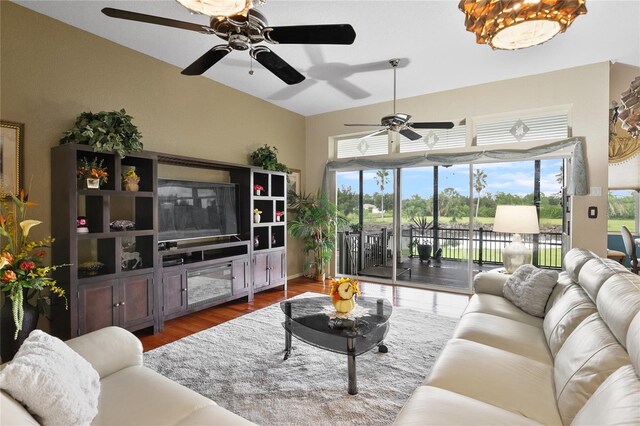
(312,320)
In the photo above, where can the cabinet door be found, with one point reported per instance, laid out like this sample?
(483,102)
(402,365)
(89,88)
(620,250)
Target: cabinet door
(97,306)
(136,300)
(240,282)
(260,270)
(174,284)
(276,268)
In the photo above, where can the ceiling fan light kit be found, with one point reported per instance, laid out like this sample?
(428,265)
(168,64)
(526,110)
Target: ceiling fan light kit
(219,7)
(517,24)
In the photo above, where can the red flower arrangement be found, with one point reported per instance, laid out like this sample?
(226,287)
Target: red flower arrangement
(257,187)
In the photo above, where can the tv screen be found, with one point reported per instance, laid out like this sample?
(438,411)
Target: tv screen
(190,209)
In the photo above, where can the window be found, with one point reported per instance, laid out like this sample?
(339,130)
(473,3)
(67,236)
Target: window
(436,139)
(357,146)
(623,210)
(540,127)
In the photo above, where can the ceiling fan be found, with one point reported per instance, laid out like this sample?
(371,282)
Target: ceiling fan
(399,122)
(245,32)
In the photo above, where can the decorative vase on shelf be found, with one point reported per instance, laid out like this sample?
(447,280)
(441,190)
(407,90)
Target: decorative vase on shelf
(277,218)
(131,185)
(93,183)
(9,346)
(256,218)
(256,241)
(257,192)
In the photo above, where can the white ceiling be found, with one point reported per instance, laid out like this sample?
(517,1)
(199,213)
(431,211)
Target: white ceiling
(430,35)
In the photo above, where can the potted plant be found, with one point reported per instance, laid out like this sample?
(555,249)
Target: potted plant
(111,131)
(267,158)
(256,215)
(130,180)
(315,220)
(23,275)
(258,188)
(279,216)
(92,172)
(424,247)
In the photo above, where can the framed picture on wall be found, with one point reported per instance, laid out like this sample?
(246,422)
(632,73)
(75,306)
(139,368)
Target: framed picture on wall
(294,181)
(11,147)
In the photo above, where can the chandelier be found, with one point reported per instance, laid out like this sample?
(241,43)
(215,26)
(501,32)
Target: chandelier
(629,111)
(516,24)
(219,7)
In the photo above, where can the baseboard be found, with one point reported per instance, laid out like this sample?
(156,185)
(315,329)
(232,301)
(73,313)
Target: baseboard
(292,276)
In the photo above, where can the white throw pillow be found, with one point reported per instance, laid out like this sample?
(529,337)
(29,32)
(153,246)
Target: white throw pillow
(52,381)
(529,288)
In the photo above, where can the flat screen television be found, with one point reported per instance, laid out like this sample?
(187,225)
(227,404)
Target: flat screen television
(191,209)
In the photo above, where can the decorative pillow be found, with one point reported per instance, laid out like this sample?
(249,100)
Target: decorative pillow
(529,288)
(52,381)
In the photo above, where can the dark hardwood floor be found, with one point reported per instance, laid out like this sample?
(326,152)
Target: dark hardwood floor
(441,303)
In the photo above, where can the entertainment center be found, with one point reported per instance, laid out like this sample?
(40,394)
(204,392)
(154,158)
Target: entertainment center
(177,245)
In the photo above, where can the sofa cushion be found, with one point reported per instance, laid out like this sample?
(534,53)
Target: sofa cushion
(589,355)
(13,413)
(595,272)
(52,381)
(139,396)
(434,406)
(615,402)
(575,259)
(633,342)
(213,415)
(498,305)
(564,283)
(504,333)
(529,288)
(619,302)
(497,377)
(565,315)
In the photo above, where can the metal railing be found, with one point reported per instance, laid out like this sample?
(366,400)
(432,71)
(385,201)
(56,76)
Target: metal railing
(357,251)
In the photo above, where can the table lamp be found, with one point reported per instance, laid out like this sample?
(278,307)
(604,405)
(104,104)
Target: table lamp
(516,220)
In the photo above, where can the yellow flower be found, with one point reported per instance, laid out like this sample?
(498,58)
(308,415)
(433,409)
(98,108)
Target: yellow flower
(26,225)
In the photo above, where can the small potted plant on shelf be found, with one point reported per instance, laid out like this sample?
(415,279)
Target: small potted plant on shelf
(23,275)
(279,216)
(256,215)
(111,131)
(92,172)
(267,158)
(258,188)
(130,180)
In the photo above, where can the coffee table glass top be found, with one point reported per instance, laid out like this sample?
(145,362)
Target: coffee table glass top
(310,320)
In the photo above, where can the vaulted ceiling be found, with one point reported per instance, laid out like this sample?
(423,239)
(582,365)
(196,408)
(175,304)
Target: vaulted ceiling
(429,36)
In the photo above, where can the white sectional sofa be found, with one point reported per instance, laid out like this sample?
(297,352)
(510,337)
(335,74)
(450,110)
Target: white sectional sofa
(578,365)
(131,394)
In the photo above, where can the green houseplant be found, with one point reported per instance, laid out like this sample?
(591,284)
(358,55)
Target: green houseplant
(315,221)
(112,131)
(424,248)
(267,157)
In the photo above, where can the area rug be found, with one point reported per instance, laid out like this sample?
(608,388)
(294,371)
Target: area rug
(239,365)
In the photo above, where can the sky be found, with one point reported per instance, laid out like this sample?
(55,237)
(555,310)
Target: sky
(513,177)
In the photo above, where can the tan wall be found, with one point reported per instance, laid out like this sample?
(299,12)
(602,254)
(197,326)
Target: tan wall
(585,89)
(51,72)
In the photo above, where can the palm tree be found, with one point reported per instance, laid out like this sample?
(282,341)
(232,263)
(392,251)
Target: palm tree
(479,184)
(382,178)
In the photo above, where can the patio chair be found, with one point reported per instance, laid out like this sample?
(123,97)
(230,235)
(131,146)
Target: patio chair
(630,248)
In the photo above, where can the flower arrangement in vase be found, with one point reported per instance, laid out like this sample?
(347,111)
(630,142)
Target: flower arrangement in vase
(92,172)
(130,180)
(22,273)
(256,215)
(258,188)
(343,293)
(279,216)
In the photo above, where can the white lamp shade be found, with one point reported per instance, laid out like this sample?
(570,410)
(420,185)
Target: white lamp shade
(516,220)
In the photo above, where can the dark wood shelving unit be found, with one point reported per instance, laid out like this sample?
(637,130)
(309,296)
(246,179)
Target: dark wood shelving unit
(121,292)
(139,286)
